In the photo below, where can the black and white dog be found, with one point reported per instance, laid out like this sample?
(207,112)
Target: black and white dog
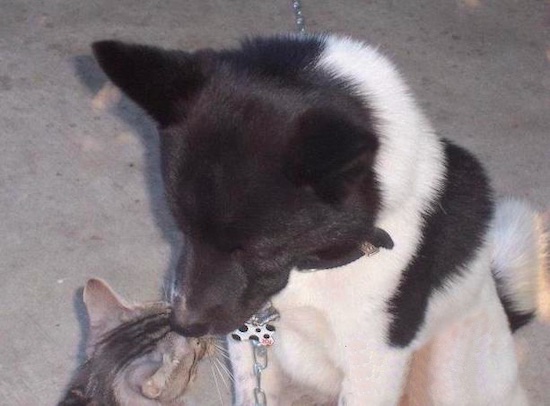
(289,154)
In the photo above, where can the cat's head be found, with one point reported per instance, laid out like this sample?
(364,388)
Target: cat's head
(132,356)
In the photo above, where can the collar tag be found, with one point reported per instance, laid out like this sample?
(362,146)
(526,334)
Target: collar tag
(258,327)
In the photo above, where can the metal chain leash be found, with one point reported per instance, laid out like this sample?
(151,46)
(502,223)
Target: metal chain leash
(259,331)
(299,16)
(260,363)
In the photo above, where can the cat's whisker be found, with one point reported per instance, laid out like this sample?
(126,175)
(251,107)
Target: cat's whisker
(216,339)
(218,352)
(215,381)
(216,365)
(226,370)
(222,359)
(220,347)
(168,291)
(224,356)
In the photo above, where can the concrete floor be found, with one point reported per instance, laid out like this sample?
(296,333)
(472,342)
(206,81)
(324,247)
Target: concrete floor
(79,176)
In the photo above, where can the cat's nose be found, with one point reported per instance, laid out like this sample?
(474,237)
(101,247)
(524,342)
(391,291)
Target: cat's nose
(185,324)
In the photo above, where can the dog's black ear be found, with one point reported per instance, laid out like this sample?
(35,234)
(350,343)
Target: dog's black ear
(330,152)
(158,80)
(380,238)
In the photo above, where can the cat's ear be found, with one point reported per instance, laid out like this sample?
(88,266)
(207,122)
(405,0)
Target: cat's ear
(106,309)
(330,152)
(158,80)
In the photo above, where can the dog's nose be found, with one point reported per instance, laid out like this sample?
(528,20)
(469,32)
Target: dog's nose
(186,325)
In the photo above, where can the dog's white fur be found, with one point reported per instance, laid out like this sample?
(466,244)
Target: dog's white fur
(331,335)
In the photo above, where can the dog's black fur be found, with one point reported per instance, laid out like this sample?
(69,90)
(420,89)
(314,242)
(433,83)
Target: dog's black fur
(452,233)
(267,167)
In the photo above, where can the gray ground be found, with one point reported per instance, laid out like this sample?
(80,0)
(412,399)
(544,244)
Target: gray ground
(79,177)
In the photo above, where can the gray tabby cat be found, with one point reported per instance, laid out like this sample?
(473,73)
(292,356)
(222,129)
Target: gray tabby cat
(132,356)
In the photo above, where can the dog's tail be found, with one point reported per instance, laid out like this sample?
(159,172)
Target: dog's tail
(520,261)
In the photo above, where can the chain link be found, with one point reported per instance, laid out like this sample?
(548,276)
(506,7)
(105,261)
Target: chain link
(299,16)
(260,363)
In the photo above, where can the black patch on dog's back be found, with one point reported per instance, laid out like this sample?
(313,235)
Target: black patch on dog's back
(452,233)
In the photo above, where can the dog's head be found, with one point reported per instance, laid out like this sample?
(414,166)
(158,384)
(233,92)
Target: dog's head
(267,163)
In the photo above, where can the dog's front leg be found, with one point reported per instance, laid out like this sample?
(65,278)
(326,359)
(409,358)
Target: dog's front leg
(374,375)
